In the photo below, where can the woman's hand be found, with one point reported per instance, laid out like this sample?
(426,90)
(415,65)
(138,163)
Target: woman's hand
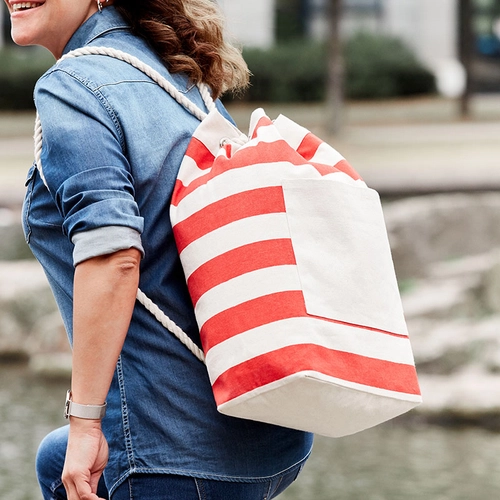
(86,457)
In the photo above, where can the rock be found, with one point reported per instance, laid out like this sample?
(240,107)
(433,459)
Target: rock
(439,228)
(447,347)
(469,395)
(25,298)
(51,365)
(13,246)
(48,336)
(31,327)
(446,258)
(441,299)
(445,250)
(491,282)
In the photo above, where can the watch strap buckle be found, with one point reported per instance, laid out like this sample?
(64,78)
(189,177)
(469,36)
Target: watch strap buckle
(90,412)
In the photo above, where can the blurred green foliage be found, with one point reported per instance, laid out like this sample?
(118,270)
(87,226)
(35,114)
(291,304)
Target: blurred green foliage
(382,66)
(376,67)
(20,68)
(295,71)
(290,21)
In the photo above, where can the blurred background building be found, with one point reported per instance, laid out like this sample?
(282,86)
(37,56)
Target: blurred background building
(431,29)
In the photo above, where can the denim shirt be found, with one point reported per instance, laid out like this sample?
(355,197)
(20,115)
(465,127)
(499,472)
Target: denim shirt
(113,142)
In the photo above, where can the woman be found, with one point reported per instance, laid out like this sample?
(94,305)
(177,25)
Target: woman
(113,142)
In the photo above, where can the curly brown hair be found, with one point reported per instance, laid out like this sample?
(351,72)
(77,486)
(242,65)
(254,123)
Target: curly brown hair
(188,35)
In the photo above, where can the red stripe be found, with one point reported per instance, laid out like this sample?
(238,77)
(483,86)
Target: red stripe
(262,311)
(251,314)
(200,154)
(324,169)
(233,208)
(309,145)
(240,261)
(261,153)
(341,166)
(178,193)
(345,167)
(276,365)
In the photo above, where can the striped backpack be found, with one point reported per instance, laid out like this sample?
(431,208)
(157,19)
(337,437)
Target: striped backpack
(288,264)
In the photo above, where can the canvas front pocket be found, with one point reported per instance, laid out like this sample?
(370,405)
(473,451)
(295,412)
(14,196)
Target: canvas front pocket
(343,254)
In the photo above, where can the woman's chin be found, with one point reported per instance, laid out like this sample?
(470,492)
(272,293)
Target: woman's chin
(21,34)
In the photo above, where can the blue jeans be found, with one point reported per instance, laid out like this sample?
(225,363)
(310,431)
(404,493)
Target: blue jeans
(50,461)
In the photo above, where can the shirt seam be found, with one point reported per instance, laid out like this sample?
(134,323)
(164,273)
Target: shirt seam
(94,89)
(122,27)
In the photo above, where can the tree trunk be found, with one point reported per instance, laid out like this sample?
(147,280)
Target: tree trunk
(335,85)
(2,26)
(466,47)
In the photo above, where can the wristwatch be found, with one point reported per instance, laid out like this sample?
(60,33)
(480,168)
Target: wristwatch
(91,412)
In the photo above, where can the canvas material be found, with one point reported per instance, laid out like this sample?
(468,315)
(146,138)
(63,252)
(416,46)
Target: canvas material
(319,404)
(288,264)
(349,276)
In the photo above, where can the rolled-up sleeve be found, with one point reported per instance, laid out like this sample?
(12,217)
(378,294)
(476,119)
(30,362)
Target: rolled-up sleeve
(86,168)
(103,241)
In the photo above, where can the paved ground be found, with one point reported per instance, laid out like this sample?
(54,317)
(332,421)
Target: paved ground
(399,147)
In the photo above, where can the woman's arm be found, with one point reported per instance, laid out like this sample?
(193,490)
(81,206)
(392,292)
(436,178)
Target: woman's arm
(104,296)
(105,288)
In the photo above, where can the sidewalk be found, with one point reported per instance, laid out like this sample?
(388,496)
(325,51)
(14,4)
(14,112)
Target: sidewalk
(400,147)
(415,146)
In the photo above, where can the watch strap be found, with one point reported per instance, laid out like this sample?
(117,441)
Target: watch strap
(91,412)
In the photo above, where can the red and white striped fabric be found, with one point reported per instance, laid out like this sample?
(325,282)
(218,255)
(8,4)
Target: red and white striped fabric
(289,268)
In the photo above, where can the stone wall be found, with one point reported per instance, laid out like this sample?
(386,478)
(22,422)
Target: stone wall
(446,252)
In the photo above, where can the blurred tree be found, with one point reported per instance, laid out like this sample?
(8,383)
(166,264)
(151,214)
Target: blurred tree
(290,19)
(336,72)
(466,50)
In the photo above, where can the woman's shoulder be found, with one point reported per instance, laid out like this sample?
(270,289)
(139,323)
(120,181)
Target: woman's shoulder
(101,82)
(100,61)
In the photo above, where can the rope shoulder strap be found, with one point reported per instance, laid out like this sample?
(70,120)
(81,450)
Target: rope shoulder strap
(189,106)
(169,324)
(148,71)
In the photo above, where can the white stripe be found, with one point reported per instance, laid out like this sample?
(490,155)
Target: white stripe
(256,116)
(244,288)
(231,236)
(295,134)
(256,176)
(236,181)
(189,171)
(327,155)
(345,179)
(291,131)
(295,331)
(267,134)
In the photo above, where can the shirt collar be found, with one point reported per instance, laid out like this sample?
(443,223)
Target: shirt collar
(95,26)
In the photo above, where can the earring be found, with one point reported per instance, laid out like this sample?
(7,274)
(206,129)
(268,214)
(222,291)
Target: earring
(99,4)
